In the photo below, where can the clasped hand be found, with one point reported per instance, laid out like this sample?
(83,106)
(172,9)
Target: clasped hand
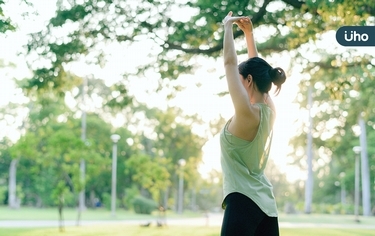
(243,22)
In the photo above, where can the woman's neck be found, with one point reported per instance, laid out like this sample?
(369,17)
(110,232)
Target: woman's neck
(257,97)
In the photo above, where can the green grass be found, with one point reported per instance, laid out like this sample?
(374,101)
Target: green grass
(326,219)
(29,213)
(326,232)
(120,230)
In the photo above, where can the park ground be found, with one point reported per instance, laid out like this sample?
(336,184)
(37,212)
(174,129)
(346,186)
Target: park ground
(44,222)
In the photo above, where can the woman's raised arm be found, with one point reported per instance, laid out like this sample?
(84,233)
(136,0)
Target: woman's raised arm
(246,26)
(236,89)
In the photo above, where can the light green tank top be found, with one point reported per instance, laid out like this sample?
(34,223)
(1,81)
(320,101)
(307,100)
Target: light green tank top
(243,163)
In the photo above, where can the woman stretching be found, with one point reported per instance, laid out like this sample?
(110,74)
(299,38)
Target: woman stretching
(249,203)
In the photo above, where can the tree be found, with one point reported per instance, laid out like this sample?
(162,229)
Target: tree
(209,192)
(150,173)
(55,152)
(8,115)
(335,118)
(5,160)
(169,135)
(177,42)
(11,119)
(50,119)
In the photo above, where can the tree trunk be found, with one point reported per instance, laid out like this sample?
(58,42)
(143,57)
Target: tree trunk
(366,192)
(61,217)
(79,214)
(12,195)
(309,181)
(82,167)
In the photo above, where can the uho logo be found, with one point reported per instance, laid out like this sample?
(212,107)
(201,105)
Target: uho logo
(356,36)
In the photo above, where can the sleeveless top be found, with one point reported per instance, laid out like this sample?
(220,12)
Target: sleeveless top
(243,163)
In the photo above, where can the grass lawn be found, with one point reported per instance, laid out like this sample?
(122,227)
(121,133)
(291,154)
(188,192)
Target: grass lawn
(326,219)
(120,230)
(30,213)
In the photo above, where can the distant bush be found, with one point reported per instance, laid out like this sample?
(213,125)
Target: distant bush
(107,201)
(325,208)
(70,199)
(129,195)
(3,192)
(106,197)
(144,205)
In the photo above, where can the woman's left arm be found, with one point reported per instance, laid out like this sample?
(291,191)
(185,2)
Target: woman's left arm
(246,26)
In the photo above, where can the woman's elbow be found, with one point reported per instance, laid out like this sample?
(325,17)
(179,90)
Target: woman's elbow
(230,62)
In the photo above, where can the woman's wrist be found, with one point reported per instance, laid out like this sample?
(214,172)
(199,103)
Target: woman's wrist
(228,27)
(248,33)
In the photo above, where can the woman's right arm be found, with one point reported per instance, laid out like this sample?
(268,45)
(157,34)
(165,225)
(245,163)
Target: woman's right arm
(236,89)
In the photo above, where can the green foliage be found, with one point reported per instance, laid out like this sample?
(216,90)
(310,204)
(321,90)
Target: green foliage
(5,22)
(59,193)
(107,201)
(144,205)
(150,173)
(155,165)
(76,13)
(290,24)
(174,139)
(50,154)
(37,183)
(51,150)
(3,192)
(209,192)
(327,208)
(20,194)
(335,121)
(130,194)
(5,160)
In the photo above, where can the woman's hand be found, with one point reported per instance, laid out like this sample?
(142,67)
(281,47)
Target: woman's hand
(245,24)
(229,19)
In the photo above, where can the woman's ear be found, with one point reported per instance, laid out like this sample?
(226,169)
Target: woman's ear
(249,79)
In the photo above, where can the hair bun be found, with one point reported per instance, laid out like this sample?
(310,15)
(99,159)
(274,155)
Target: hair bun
(278,77)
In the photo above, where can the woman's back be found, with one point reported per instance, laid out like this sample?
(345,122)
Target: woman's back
(243,163)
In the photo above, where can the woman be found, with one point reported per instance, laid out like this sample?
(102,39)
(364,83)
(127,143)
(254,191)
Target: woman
(250,207)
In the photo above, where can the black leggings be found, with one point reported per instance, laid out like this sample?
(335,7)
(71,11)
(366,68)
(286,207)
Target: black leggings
(242,217)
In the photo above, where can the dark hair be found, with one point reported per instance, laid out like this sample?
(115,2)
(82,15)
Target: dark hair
(263,74)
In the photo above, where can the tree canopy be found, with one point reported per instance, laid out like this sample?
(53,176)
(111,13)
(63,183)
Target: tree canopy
(85,29)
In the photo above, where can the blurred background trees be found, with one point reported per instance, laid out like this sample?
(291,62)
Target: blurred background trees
(45,158)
